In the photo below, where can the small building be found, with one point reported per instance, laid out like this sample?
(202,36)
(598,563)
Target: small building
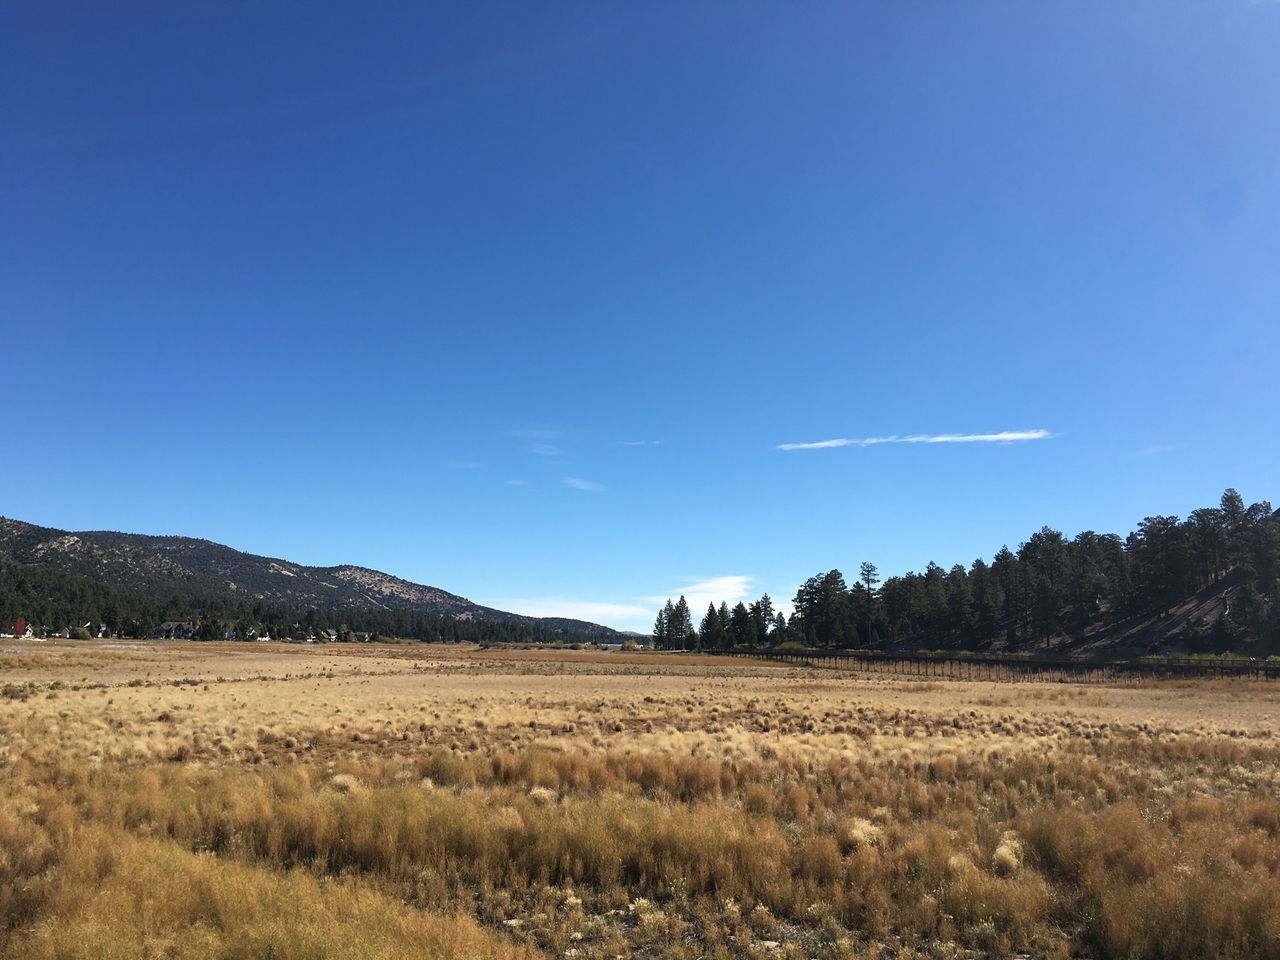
(327,636)
(175,630)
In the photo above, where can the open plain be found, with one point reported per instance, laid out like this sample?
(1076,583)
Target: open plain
(195,800)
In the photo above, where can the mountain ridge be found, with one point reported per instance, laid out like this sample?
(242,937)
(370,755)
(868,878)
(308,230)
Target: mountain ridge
(195,566)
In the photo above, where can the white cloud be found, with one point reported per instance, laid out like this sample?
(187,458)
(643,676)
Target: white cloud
(1156,449)
(640,443)
(699,593)
(517,483)
(638,612)
(1007,436)
(577,483)
(635,613)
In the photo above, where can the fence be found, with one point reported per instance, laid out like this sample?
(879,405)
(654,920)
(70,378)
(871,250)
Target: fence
(993,666)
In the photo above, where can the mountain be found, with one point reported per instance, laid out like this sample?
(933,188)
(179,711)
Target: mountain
(202,571)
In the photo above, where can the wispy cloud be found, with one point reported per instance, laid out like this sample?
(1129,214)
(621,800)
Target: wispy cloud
(1156,449)
(517,483)
(577,483)
(640,443)
(1006,436)
(699,593)
(465,464)
(541,441)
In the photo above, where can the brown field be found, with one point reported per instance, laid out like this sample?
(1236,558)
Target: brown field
(409,801)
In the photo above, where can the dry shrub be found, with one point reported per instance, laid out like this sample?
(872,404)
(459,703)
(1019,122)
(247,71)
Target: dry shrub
(856,832)
(26,853)
(448,769)
(818,859)
(1015,906)
(154,899)
(757,799)
(943,767)
(1201,914)
(1007,856)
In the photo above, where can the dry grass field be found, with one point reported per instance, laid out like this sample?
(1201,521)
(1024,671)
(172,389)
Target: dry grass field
(183,801)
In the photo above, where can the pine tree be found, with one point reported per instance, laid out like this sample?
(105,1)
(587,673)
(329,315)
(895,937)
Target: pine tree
(660,635)
(778,632)
(761,614)
(1234,525)
(680,626)
(711,631)
(740,625)
(869,576)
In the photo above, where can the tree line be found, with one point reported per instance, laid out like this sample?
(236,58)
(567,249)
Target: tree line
(47,597)
(1050,589)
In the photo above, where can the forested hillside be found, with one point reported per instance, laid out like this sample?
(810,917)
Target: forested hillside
(1206,583)
(132,583)
(50,598)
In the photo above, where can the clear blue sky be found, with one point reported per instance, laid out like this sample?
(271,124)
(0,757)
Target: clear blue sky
(520,300)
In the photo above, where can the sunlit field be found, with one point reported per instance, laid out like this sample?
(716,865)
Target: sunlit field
(412,801)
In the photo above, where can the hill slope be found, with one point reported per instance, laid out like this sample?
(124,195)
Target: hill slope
(187,567)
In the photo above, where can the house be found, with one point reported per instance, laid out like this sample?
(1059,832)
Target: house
(359,636)
(327,636)
(175,630)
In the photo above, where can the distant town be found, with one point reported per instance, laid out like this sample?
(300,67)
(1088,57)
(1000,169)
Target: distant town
(188,630)
(230,631)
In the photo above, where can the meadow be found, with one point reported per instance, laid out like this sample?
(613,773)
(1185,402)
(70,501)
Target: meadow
(269,801)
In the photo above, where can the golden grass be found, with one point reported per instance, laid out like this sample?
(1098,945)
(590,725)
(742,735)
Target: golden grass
(380,801)
(112,896)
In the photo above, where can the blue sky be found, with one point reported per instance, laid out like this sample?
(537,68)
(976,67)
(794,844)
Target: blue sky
(521,300)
